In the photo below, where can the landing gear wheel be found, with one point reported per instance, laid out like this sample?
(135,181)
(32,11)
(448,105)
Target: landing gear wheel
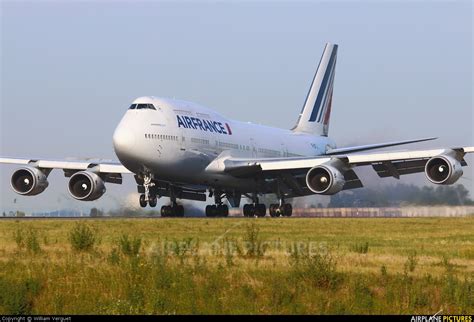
(210,210)
(165,211)
(142,201)
(152,201)
(222,210)
(179,210)
(274,210)
(286,209)
(172,211)
(255,210)
(260,210)
(249,210)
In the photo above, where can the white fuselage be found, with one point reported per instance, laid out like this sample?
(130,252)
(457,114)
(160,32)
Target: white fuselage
(177,141)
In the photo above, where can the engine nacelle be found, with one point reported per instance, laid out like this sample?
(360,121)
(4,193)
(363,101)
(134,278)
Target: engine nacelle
(86,186)
(325,180)
(29,181)
(443,169)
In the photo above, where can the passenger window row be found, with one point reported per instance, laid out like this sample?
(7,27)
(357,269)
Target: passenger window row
(228,145)
(232,146)
(161,137)
(269,152)
(200,141)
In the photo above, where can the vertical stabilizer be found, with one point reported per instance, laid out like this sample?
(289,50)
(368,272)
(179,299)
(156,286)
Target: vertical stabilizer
(314,117)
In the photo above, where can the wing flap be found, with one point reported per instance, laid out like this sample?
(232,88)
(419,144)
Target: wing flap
(386,169)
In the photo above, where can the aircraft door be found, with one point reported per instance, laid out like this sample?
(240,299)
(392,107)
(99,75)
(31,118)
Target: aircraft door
(284,150)
(253,147)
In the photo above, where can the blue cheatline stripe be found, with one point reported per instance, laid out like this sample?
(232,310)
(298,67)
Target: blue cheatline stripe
(312,82)
(317,105)
(328,93)
(325,96)
(324,87)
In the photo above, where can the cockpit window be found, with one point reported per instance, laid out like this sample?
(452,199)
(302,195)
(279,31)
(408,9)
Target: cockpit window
(145,106)
(132,107)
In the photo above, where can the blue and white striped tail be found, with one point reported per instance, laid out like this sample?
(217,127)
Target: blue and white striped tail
(314,117)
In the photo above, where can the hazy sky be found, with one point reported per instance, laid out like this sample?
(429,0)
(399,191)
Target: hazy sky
(70,70)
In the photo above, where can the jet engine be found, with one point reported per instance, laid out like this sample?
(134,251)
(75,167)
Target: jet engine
(29,181)
(86,186)
(325,179)
(443,169)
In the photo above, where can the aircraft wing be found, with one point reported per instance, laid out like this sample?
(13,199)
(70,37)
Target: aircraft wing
(111,169)
(361,148)
(292,171)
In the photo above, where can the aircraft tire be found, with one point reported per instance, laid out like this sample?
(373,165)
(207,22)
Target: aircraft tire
(273,210)
(222,211)
(260,210)
(179,211)
(152,201)
(248,210)
(286,210)
(211,210)
(142,201)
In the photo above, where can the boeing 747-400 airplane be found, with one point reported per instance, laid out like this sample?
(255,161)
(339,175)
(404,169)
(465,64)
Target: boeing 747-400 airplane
(182,150)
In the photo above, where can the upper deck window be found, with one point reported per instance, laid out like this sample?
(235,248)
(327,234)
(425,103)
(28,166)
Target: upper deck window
(145,106)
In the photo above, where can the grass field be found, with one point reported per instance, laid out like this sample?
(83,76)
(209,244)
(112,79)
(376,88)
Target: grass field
(250,266)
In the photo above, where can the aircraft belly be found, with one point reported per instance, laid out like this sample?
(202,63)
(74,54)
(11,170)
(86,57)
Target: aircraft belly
(193,173)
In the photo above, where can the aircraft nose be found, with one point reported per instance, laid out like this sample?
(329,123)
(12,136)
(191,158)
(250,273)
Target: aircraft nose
(124,140)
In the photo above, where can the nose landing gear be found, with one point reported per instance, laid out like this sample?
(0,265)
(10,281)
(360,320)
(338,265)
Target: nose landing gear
(152,200)
(148,197)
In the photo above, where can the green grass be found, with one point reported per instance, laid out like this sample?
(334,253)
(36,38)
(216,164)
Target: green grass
(215,266)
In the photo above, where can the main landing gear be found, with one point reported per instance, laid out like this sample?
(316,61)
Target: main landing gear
(219,209)
(255,209)
(284,209)
(174,210)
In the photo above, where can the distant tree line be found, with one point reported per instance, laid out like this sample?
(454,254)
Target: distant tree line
(402,194)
